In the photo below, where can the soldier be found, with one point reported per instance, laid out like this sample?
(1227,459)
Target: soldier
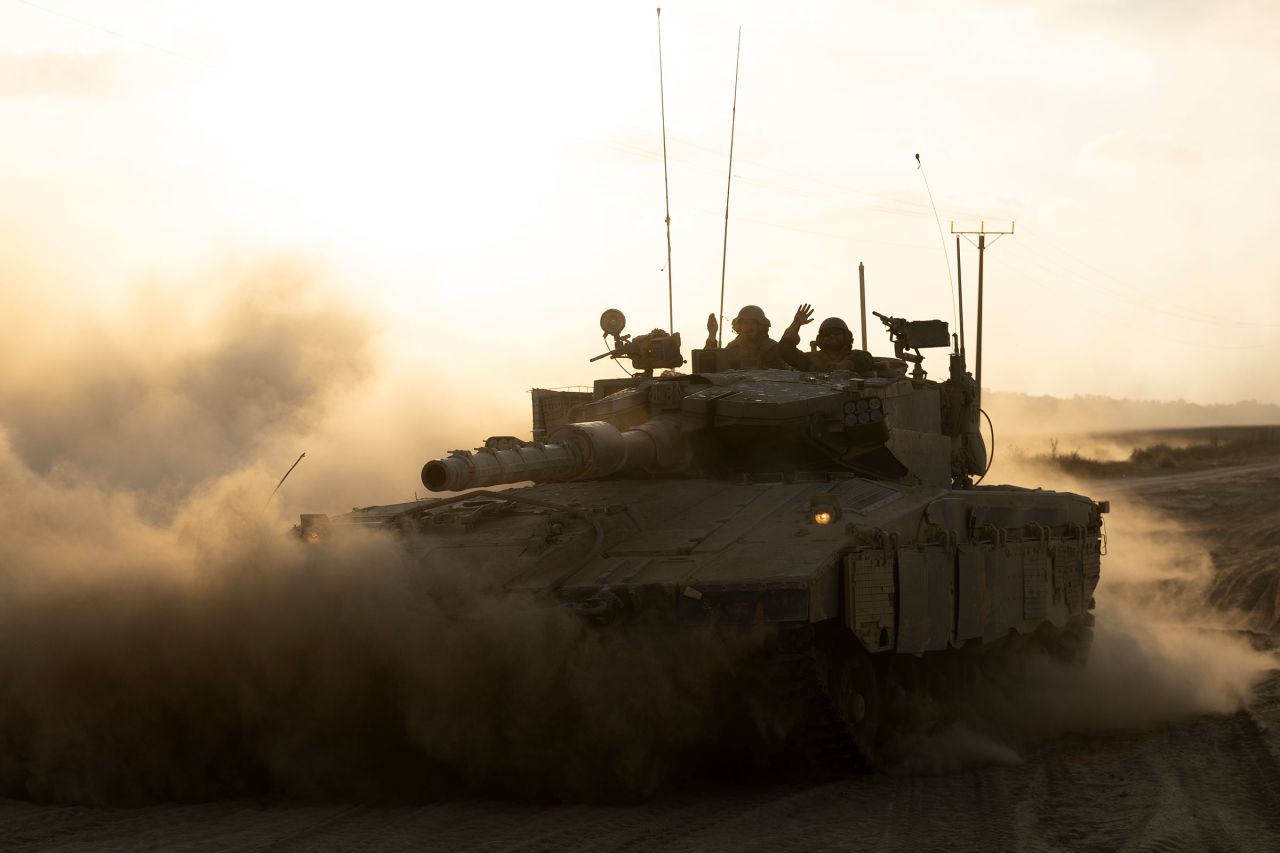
(753,349)
(835,346)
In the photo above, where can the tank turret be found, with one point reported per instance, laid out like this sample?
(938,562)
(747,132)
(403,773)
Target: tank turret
(780,422)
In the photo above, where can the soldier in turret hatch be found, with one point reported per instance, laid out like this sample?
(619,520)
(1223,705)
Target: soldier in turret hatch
(835,346)
(753,349)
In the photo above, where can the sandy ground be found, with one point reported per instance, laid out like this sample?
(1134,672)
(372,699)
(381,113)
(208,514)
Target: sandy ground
(1207,783)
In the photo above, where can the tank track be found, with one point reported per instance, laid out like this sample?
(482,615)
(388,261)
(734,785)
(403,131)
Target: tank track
(813,672)
(814,738)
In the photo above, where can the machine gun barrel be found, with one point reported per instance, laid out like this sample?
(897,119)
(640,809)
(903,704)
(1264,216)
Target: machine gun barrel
(581,451)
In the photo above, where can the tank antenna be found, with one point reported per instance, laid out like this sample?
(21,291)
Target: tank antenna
(285,477)
(862,294)
(960,294)
(941,239)
(666,186)
(733,126)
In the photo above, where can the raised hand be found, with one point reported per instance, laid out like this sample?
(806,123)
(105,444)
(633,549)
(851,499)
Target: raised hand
(804,315)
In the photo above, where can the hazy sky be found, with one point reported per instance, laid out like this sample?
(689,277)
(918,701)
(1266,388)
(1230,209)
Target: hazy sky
(484,179)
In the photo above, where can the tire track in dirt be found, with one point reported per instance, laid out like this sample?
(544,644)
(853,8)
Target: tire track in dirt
(996,809)
(972,810)
(1232,780)
(35,830)
(1208,784)
(832,816)
(685,823)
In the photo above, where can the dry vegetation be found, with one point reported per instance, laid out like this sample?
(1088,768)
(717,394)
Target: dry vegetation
(1171,449)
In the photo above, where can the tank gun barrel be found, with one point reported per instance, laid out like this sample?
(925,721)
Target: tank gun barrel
(463,469)
(579,451)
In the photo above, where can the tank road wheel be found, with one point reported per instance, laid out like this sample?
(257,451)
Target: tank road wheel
(815,703)
(855,693)
(1069,644)
(852,685)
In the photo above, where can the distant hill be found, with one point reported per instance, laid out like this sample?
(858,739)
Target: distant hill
(1016,413)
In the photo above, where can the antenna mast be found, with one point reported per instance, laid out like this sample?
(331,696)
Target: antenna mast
(733,126)
(666,186)
(960,292)
(862,296)
(285,477)
(982,233)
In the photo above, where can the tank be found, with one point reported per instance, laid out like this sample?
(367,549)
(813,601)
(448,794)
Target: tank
(844,513)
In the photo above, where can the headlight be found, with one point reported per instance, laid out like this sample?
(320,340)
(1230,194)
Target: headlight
(824,508)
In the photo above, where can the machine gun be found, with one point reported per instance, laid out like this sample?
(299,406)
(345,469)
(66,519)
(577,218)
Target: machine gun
(914,335)
(656,350)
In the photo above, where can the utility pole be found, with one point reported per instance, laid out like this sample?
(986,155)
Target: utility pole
(982,234)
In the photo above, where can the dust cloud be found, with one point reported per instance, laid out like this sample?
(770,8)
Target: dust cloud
(175,393)
(217,657)
(950,748)
(162,637)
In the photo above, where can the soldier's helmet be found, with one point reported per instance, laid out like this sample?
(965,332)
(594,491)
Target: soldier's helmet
(832,323)
(752,312)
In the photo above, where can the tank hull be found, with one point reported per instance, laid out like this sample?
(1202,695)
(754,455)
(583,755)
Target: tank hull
(902,588)
(906,569)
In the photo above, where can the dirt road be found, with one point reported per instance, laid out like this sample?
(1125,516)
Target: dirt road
(1235,512)
(1202,783)
(1251,473)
